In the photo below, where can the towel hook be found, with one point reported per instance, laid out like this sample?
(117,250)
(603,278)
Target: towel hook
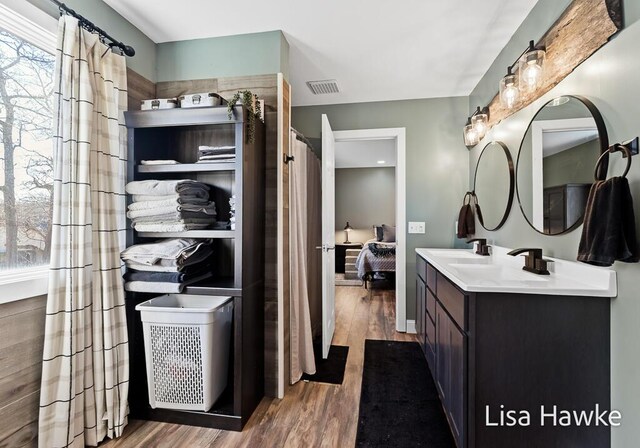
(614,148)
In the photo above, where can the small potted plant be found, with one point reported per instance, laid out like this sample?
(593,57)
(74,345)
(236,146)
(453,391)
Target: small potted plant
(250,101)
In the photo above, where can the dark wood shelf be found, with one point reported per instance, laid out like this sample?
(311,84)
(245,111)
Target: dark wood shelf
(214,287)
(187,168)
(238,259)
(220,416)
(221,234)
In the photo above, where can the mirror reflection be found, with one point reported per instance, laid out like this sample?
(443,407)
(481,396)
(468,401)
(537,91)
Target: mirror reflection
(556,161)
(493,185)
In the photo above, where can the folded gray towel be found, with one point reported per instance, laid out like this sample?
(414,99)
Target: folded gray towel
(209,209)
(189,273)
(196,257)
(180,198)
(177,217)
(172,248)
(164,187)
(162,287)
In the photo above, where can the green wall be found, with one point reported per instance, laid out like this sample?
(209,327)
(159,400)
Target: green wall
(364,197)
(437,162)
(609,79)
(144,62)
(220,57)
(571,166)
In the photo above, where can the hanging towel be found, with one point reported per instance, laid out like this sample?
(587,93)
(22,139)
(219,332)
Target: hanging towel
(609,231)
(466,222)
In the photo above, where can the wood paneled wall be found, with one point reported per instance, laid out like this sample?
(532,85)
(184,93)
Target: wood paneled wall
(138,88)
(21,344)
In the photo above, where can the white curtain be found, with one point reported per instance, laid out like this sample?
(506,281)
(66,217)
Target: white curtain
(302,359)
(85,374)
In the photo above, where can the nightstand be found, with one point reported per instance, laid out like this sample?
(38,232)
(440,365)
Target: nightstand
(341,253)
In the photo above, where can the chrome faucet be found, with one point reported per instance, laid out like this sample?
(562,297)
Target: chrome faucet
(481,247)
(533,261)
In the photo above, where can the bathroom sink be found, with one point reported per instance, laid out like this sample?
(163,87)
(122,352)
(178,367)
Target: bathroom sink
(452,253)
(492,273)
(502,273)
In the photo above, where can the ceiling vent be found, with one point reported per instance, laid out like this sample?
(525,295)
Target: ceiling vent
(323,87)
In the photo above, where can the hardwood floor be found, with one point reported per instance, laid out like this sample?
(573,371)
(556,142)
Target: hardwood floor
(310,414)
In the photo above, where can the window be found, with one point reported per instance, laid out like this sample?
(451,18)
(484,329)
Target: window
(27,66)
(27,63)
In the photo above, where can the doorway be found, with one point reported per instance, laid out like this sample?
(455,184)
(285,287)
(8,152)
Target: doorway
(396,136)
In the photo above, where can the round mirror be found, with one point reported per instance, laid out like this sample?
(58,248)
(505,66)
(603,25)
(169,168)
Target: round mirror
(493,185)
(556,161)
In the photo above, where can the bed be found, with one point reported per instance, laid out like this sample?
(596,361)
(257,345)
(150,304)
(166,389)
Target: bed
(376,261)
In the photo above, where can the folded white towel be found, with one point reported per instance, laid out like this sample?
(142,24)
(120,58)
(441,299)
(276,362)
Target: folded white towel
(159,162)
(177,226)
(167,210)
(215,148)
(164,187)
(181,198)
(172,202)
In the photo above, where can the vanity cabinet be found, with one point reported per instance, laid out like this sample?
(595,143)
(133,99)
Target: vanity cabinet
(496,352)
(451,370)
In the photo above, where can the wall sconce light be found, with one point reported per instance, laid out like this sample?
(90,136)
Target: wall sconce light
(529,77)
(531,68)
(480,121)
(476,127)
(509,93)
(347,229)
(470,135)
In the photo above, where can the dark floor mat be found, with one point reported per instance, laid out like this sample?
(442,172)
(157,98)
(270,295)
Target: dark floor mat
(330,370)
(399,404)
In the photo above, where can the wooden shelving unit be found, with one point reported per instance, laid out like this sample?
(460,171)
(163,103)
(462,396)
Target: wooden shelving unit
(238,260)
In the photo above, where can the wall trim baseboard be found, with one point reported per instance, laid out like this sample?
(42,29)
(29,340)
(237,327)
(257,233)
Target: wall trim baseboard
(411,326)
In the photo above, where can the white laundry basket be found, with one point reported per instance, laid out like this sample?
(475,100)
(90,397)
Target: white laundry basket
(186,341)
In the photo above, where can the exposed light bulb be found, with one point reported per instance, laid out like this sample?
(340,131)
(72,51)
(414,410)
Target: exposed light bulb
(509,93)
(471,137)
(480,122)
(531,75)
(531,68)
(510,96)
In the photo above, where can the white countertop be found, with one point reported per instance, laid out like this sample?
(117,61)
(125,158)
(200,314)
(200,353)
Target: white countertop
(500,272)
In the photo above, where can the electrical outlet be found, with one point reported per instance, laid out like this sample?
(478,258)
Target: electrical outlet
(416,227)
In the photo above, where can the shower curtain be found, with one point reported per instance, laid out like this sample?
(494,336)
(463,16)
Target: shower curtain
(85,373)
(304,220)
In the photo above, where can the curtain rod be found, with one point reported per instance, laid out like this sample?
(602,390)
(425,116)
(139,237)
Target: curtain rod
(302,138)
(91,27)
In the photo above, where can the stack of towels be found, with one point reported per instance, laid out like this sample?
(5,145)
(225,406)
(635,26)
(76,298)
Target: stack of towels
(170,205)
(166,266)
(216,154)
